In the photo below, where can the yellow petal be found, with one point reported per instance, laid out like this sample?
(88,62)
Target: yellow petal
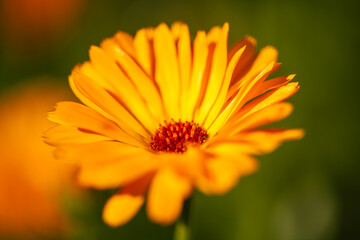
(121,208)
(222,176)
(144,50)
(214,34)
(239,100)
(248,87)
(237,154)
(199,66)
(223,171)
(65,135)
(275,83)
(100,100)
(270,139)
(122,87)
(114,150)
(124,205)
(275,96)
(264,86)
(224,88)
(263,141)
(265,116)
(181,32)
(167,70)
(188,164)
(230,148)
(166,195)
(119,166)
(77,115)
(177,29)
(216,77)
(126,42)
(87,68)
(266,56)
(138,77)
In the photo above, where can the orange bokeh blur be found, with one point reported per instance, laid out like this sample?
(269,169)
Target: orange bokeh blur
(37,23)
(31,181)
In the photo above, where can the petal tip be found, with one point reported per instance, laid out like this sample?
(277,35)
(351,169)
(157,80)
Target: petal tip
(250,39)
(226,27)
(291,77)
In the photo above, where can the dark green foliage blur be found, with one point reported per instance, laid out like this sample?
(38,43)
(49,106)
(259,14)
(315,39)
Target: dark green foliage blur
(307,189)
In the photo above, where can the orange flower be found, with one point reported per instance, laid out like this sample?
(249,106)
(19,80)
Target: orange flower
(30,180)
(163,116)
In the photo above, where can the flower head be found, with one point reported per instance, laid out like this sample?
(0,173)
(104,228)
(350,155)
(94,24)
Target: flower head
(163,115)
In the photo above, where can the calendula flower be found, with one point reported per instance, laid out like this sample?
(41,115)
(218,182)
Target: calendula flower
(163,116)
(31,182)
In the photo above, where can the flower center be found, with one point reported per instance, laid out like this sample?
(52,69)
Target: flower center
(175,136)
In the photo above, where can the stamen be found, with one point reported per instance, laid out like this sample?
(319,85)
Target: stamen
(175,136)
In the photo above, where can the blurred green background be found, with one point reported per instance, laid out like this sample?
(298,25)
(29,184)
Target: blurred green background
(306,190)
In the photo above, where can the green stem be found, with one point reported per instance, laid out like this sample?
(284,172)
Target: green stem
(182,227)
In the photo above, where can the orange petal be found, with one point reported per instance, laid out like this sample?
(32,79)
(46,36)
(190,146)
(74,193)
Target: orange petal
(246,58)
(270,114)
(124,205)
(248,86)
(275,96)
(266,56)
(264,86)
(275,83)
(166,195)
(277,66)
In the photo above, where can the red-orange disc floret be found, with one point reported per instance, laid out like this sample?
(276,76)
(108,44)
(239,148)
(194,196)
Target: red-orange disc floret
(175,136)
